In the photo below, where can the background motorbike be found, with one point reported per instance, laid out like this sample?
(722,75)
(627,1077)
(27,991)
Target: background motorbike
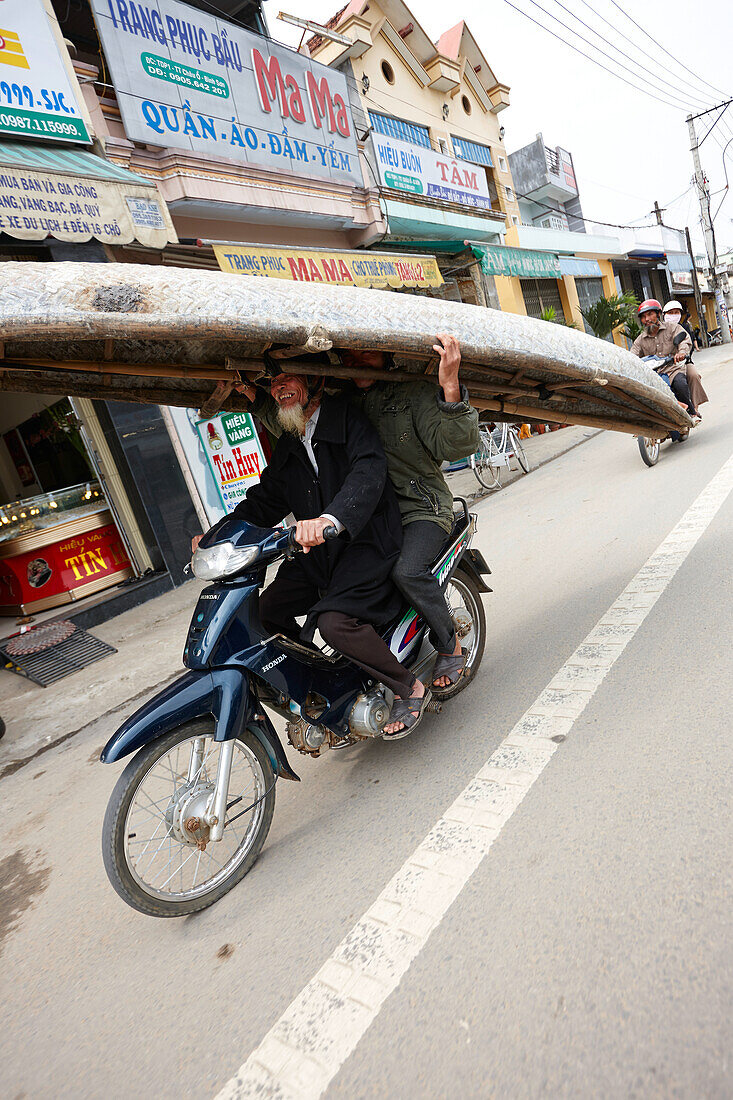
(648,446)
(190,812)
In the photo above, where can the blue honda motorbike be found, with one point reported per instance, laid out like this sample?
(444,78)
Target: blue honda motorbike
(190,813)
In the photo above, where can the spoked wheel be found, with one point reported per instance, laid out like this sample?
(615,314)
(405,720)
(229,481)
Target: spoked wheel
(519,453)
(649,449)
(157,850)
(467,610)
(487,474)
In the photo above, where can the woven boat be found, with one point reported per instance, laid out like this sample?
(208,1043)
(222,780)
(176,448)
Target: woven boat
(177,336)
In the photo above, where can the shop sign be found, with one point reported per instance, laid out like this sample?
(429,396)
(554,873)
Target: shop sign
(188,80)
(63,566)
(522,262)
(682,278)
(234,455)
(34,205)
(420,171)
(36,95)
(339,268)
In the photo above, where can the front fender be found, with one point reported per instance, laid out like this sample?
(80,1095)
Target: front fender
(222,692)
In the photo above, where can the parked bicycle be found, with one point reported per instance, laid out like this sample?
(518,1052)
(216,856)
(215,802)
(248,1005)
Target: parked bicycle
(500,444)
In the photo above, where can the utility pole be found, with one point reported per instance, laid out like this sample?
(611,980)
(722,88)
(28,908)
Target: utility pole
(703,191)
(658,212)
(696,289)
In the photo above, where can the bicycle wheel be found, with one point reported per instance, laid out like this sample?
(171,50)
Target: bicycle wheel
(487,474)
(519,453)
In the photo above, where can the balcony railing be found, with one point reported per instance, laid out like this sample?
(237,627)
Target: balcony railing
(553,162)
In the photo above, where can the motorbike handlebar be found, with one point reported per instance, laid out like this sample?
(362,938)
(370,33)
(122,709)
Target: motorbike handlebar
(294,547)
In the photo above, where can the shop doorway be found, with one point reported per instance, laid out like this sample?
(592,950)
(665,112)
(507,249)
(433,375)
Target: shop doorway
(58,538)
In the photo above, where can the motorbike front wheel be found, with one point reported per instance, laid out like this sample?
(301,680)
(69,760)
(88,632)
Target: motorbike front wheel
(649,450)
(156,849)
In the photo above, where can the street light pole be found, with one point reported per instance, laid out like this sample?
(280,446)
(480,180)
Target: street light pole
(703,192)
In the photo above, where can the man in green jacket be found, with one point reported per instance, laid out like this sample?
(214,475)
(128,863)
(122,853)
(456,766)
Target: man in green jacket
(421,425)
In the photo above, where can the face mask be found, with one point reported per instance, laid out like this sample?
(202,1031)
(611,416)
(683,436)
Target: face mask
(673,317)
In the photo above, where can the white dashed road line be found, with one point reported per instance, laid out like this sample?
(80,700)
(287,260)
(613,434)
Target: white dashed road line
(304,1050)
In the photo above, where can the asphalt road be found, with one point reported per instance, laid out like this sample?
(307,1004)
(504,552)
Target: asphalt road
(589,952)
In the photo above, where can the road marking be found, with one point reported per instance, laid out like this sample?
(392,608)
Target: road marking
(304,1050)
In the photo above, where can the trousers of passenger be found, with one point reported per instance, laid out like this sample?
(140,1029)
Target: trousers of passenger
(422,542)
(681,389)
(281,602)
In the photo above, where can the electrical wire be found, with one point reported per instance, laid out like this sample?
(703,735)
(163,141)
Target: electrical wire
(647,60)
(564,41)
(676,60)
(672,95)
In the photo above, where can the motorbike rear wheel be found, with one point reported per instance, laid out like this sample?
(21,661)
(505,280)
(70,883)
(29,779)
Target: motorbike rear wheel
(649,450)
(464,601)
(153,863)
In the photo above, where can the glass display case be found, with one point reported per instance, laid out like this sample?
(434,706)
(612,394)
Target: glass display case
(50,509)
(57,547)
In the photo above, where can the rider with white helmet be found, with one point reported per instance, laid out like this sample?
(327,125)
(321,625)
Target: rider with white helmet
(673,313)
(658,339)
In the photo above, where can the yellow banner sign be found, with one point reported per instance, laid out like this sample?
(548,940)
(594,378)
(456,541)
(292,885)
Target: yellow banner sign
(366,269)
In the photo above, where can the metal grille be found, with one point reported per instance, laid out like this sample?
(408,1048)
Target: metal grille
(396,128)
(47,653)
(589,291)
(539,294)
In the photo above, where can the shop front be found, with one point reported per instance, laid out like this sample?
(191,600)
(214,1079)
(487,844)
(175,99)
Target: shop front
(59,540)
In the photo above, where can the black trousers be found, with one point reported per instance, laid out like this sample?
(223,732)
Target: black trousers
(292,595)
(422,542)
(681,390)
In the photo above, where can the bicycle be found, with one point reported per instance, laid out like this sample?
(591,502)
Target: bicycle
(499,445)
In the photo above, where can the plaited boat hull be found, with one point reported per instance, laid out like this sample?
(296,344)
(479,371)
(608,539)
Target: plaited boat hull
(186,337)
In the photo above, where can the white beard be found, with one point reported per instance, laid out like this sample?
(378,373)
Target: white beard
(293,420)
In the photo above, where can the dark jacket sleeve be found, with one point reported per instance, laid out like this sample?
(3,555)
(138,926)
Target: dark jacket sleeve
(358,497)
(447,429)
(265,504)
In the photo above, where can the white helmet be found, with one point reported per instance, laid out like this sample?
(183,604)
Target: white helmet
(670,306)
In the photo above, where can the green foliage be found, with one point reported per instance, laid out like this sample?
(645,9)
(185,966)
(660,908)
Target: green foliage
(608,314)
(632,328)
(549,313)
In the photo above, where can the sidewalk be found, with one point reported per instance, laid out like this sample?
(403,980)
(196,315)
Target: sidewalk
(150,638)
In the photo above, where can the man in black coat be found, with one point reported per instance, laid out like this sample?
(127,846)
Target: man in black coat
(329,468)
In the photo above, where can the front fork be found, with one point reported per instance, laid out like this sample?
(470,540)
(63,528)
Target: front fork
(216,807)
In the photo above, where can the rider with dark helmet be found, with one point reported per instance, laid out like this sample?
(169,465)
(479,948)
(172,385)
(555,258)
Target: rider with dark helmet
(658,339)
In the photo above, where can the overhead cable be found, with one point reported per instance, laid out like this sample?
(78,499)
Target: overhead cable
(676,60)
(593,60)
(672,95)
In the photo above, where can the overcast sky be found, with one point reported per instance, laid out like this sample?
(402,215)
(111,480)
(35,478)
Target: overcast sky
(628,149)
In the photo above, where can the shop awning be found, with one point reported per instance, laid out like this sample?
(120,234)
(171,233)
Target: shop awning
(580,268)
(504,260)
(413,220)
(75,196)
(319,265)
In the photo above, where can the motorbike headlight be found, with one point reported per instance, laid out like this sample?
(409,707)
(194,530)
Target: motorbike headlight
(222,560)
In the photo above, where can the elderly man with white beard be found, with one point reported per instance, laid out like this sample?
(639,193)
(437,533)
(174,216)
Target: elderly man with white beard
(329,469)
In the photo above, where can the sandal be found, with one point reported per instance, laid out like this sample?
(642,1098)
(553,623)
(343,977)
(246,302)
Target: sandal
(452,665)
(407,711)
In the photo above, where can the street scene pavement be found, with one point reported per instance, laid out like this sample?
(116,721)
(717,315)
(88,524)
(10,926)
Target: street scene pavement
(580,943)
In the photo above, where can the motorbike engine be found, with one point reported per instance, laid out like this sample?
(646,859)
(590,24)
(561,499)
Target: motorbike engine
(307,737)
(369,714)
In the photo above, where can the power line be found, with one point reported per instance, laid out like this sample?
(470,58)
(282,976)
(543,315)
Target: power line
(693,97)
(593,60)
(676,60)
